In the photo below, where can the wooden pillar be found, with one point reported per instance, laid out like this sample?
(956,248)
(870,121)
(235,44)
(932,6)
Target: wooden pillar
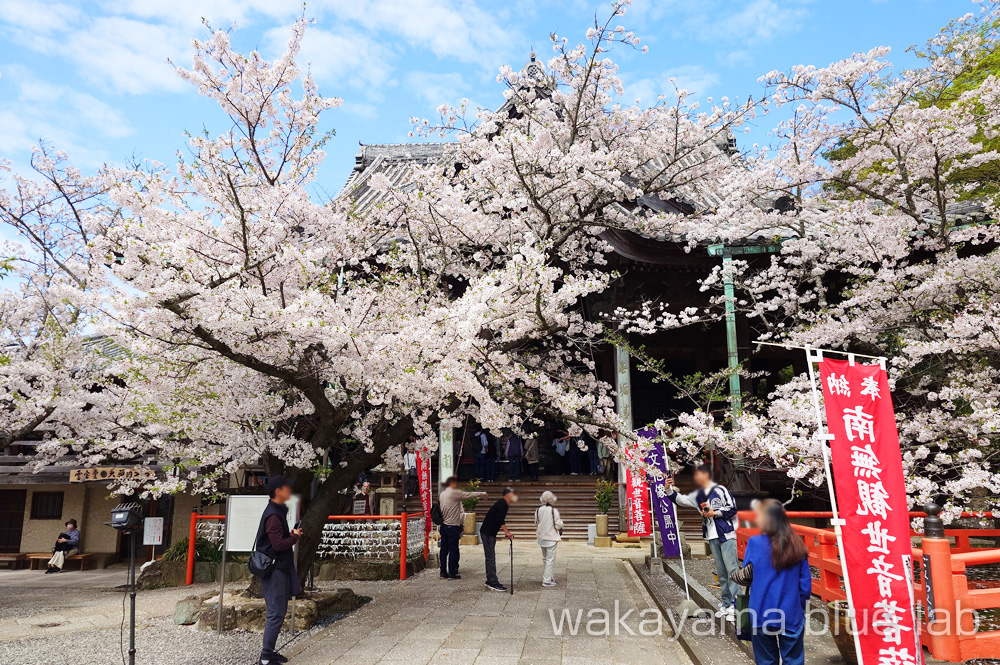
(623,405)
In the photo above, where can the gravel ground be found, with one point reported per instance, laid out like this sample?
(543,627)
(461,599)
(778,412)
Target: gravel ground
(158,640)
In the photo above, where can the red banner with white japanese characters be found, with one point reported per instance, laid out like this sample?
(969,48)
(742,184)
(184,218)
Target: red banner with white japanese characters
(868,478)
(424,478)
(640,521)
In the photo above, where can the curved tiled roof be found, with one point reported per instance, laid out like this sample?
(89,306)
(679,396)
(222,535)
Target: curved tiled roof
(397,161)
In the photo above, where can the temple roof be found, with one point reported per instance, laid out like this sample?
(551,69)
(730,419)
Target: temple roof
(397,161)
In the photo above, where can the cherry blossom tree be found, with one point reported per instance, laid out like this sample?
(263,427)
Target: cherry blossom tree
(260,323)
(888,246)
(55,376)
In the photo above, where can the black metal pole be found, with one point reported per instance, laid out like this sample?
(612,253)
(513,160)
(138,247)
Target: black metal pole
(131,574)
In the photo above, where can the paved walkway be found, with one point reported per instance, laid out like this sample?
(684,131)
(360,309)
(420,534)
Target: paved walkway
(430,620)
(36,605)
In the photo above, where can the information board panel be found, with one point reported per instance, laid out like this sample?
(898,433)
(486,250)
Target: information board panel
(152,531)
(243,517)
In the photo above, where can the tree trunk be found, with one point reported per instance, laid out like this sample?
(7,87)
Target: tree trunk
(326,498)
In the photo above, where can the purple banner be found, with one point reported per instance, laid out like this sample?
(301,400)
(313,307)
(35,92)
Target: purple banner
(663,507)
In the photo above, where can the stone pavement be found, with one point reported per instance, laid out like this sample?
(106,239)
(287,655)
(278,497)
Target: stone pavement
(98,578)
(427,619)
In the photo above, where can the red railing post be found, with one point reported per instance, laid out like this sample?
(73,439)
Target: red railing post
(192,535)
(943,626)
(402,546)
(829,576)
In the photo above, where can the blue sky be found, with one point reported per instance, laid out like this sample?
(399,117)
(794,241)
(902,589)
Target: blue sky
(92,78)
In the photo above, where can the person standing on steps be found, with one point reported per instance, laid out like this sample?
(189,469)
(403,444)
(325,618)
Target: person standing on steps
(481,441)
(718,527)
(495,520)
(548,533)
(531,456)
(450,499)
(276,540)
(514,451)
(411,477)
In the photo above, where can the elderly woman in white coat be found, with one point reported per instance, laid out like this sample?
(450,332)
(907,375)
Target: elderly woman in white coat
(548,533)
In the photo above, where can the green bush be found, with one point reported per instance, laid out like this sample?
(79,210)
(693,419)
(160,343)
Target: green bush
(470,504)
(605,495)
(204,550)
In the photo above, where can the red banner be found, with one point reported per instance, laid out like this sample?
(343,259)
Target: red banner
(868,477)
(424,476)
(637,494)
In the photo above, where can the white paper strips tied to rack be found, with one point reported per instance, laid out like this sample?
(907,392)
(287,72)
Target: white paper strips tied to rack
(212,530)
(376,539)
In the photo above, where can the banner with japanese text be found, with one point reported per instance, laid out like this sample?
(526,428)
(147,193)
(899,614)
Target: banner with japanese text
(663,507)
(637,494)
(868,478)
(424,479)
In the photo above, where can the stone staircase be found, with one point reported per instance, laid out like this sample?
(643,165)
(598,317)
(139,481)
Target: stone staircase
(577,508)
(575,503)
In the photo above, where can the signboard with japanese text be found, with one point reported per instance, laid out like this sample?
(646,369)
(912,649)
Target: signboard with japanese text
(868,478)
(637,494)
(663,507)
(424,480)
(108,473)
(152,531)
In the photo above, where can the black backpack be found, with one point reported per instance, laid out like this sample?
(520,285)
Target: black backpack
(436,515)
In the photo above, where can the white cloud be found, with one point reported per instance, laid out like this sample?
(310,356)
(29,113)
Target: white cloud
(459,30)
(745,22)
(338,58)
(32,110)
(437,88)
(126,55)
(697,80)
(39,17)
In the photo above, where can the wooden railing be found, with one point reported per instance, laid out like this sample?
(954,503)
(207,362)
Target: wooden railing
(949,629)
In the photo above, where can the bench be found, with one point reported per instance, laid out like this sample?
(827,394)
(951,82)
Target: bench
(13,560)
(37,559)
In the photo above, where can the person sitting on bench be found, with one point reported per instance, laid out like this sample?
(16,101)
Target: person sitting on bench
(67,544)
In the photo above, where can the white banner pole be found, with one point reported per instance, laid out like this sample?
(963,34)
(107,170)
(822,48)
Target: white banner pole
(825,439)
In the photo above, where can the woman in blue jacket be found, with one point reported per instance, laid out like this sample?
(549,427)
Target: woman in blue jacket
(776,568)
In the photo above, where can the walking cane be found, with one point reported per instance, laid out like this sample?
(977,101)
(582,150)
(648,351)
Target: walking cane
(511,566)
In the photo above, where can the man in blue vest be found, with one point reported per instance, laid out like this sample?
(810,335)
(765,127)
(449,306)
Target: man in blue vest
(276,540)
(718,527)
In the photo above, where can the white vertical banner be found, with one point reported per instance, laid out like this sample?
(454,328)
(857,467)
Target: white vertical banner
(623,401)
(446,453)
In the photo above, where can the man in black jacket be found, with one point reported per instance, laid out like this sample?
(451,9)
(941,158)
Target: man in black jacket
(276,540)
(495,520)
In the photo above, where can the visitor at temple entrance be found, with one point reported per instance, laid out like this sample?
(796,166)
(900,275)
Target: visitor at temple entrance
(495,520)
(531,456)
(776,570)
(548,533)
(485,456)
(450,499)
(515,451)
(718,527)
